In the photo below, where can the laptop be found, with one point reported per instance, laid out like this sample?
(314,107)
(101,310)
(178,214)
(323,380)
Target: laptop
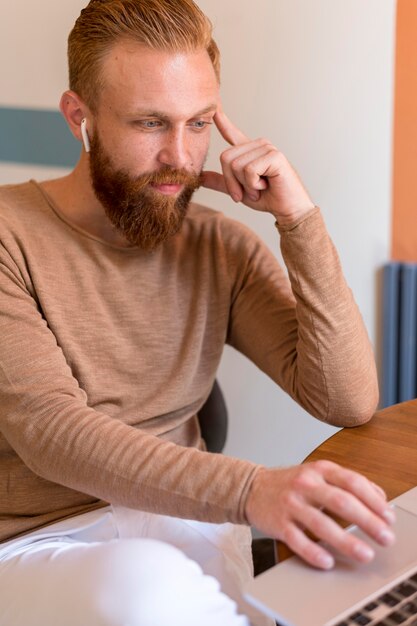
(382,593)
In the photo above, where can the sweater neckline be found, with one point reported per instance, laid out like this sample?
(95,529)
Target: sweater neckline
(61,216)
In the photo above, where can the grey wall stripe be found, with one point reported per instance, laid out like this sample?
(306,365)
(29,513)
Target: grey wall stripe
(37,137)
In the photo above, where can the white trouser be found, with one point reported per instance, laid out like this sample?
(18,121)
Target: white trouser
(120,567)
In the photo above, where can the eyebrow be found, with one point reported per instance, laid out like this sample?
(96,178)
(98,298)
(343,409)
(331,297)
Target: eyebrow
(163,116)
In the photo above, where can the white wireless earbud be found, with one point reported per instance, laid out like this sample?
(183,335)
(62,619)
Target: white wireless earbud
(84,134)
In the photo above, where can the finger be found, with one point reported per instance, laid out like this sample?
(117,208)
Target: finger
(230,154)
(349,507)
(252,168)
(217,182)
(310,551)
(379,490)
(228,130)
(234,175)
(326,529)
(362,488)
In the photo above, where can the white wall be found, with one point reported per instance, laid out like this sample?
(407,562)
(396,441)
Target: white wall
(317,78)
(314,76)
(33,66)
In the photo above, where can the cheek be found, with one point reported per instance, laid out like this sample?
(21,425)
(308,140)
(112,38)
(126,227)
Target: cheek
(200,150)
(135,153)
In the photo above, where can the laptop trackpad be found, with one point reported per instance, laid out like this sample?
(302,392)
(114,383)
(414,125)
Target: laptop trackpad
(298,595)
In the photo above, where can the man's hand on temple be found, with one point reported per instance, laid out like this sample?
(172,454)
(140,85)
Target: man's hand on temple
(285,503)
(258,174)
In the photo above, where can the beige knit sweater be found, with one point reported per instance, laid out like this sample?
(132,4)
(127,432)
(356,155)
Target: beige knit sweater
(108,353)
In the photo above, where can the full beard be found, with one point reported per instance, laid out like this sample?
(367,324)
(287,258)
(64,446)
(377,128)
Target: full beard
(144,216)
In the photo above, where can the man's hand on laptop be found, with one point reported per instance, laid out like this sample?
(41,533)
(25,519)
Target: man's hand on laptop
(257,174)
(287,503)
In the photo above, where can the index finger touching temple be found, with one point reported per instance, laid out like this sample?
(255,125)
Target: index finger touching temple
(228,130)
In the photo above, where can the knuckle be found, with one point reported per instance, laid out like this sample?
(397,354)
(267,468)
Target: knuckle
(289,500)
(339,502)
(225,158)
(356,482)
(305,479)
(282,160)
(250,169)
(235,164)
(322,465)
(301,482)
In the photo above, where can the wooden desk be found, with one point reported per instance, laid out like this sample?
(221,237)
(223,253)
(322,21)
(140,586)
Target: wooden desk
(384,450)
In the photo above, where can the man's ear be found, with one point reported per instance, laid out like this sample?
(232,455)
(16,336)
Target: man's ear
(75,111)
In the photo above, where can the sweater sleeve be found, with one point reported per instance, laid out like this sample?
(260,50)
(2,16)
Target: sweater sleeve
(46,419)
(307,333)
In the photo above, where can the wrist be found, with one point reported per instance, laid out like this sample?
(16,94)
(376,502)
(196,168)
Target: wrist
(252,504)
(294,215)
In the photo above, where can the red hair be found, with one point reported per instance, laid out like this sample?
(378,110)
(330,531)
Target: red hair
(171,25)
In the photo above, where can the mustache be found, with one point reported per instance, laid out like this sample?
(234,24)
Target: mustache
(168,176)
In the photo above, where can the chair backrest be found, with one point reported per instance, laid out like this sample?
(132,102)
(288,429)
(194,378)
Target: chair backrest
(213,418)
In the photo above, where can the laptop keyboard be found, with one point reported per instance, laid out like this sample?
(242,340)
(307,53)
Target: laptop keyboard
(396,606)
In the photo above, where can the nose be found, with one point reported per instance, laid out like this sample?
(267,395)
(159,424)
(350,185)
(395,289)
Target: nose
(174,152)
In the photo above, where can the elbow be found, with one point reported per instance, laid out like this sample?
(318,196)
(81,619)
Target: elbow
(358,416)
(356,410)
(355,399)
(342,400)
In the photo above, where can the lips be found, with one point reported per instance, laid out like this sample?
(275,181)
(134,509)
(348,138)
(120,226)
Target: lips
(168,189)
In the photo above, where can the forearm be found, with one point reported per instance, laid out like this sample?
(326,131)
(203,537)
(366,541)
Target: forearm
(335,374)
(70,444)
(307,334)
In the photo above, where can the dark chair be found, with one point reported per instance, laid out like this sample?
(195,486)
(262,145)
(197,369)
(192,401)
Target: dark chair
(213,419)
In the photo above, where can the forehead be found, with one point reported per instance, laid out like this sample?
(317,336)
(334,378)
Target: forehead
(138,77)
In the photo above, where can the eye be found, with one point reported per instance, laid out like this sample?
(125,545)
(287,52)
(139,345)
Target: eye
(200,125)
(148,124)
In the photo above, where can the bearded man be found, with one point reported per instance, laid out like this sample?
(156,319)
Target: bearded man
(118,295)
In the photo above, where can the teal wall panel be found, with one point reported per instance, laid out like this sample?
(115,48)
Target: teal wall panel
(36,137)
